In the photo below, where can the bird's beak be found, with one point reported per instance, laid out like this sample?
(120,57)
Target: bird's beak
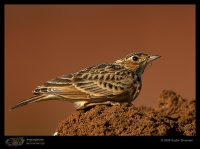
(153,57)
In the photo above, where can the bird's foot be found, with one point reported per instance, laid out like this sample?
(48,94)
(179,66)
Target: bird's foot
(86,105)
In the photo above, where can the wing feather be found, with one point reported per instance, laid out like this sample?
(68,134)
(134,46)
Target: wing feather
(98,81)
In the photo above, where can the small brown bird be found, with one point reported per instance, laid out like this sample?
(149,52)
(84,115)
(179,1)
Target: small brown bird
(101,84)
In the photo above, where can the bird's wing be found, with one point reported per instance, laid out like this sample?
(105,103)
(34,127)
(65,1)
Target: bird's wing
(60,86)
(98,81)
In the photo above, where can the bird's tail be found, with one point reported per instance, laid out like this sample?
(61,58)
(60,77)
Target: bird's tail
(28,101)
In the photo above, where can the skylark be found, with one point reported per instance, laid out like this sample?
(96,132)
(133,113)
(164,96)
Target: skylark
(113,83)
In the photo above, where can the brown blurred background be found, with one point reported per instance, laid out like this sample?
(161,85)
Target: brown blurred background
(46,41)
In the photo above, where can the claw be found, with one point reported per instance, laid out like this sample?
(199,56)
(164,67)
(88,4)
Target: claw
(103,103)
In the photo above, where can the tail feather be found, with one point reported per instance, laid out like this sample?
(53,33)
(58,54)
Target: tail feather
(28,101)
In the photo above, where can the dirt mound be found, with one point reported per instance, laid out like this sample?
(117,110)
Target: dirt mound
(174,116)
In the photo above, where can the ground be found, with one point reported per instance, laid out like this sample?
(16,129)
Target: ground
(173,116)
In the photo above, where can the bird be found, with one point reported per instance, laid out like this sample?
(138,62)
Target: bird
(106,83)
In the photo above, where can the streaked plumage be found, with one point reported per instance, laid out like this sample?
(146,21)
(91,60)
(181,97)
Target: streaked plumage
(100,84)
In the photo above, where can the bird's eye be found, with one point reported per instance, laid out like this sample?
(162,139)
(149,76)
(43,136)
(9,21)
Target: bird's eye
(135,58)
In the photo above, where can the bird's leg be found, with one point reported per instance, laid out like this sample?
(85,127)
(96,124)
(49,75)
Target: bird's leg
(86,105)
(103,103)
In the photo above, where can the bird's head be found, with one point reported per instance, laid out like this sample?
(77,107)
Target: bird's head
(136,62)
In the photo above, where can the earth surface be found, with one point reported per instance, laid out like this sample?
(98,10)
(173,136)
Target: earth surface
(173,116)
